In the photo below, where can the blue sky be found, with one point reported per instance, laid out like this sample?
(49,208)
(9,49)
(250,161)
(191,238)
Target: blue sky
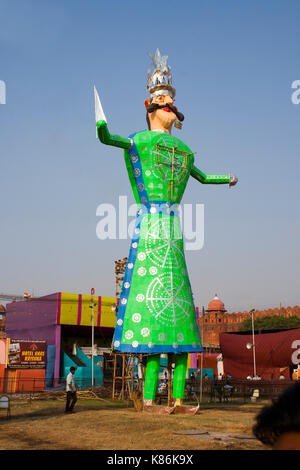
(233,64)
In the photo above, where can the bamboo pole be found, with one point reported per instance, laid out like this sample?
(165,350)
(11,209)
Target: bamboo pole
(169,380)
(114,377)
(201,370)
(93,338)
(123,371)
(201,378)
(132,379)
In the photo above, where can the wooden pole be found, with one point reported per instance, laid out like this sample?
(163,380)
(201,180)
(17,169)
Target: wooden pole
(201,371)
(120,266)
(123,372)
(114,376)
(169,380)
(201,378)
(132,379)
(93,338)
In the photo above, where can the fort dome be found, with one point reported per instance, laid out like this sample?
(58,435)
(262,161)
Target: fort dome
(216,305)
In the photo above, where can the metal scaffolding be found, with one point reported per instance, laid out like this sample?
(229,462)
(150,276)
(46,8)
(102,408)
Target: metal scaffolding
(124,381)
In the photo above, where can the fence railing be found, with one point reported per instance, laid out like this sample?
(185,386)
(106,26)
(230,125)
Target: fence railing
(22,385)
(210,390)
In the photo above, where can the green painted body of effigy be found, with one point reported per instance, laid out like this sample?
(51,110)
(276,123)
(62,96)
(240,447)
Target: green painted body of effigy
(156,312)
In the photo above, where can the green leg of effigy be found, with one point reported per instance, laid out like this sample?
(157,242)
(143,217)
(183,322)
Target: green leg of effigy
(152,373)
(179,375)
(151,377)
(179,386)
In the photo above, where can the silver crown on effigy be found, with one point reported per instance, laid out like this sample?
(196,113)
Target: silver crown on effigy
(160,81)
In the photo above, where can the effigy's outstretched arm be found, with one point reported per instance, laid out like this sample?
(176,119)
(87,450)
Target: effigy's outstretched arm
(110,139)
(212,179)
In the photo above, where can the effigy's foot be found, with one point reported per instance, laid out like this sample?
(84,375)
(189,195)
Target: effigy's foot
(159,409)
(150,407)
(186,410)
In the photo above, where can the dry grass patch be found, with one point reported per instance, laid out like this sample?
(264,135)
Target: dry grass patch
(109,425)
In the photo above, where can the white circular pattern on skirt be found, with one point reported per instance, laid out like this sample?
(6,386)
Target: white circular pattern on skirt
(164,243)
(134,245)
(162,337)
(130,265)
(153,270)
(142,256)
(127,285)
(129,334)
(145,332)
(180,337)
(161,298)
(142,271)
(140,297)
(136,317)
(117,344)
(124,301)
(135,344)
(120,322)
(150,345)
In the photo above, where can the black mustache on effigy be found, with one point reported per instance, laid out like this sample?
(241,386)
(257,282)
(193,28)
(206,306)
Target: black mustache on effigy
(154,106)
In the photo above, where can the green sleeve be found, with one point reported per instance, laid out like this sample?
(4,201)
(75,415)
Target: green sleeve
(209,179)
(109,139)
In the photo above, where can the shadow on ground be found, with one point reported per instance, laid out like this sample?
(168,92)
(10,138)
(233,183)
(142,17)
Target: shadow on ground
(58,409)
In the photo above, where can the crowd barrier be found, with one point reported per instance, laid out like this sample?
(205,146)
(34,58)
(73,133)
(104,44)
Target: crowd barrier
(23,385)
(38,384)
(209,390)
(241,388)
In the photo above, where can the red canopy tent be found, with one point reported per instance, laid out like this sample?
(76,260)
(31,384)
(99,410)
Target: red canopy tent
(275,353)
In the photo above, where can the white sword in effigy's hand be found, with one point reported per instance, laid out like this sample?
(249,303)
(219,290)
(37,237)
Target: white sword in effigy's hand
(99,113)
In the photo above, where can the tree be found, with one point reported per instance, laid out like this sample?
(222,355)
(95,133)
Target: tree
(274,322)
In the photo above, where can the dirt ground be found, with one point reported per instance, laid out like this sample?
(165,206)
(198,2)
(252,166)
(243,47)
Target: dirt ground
(99,425)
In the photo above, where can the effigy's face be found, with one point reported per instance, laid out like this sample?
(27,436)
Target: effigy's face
(163,117)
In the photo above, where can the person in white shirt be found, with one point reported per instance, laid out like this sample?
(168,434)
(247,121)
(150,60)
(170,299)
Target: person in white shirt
(71,388)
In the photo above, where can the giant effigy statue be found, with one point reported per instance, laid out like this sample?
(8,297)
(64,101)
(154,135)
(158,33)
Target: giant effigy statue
(156,313)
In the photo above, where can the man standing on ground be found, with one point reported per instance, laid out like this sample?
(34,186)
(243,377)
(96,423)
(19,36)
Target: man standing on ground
(71,388)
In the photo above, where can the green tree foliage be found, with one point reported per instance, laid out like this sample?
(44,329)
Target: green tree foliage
(275,322)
